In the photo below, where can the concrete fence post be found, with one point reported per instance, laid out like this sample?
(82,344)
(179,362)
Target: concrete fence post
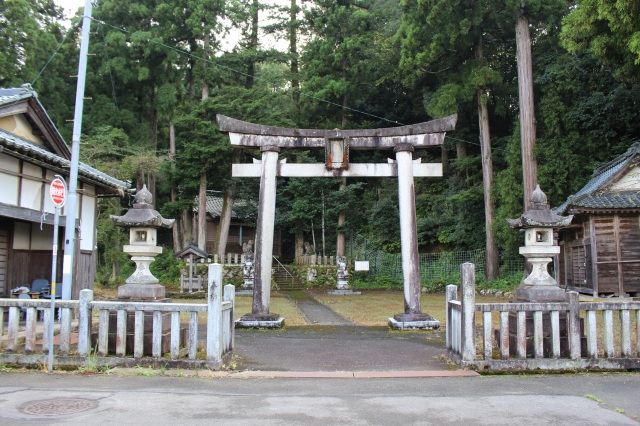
(214,314)
(230,296)
(574,325)
(84,323)
(451,294)
(468,278)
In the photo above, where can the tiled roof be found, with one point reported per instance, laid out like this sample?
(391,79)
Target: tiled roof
(192,249)
(595,195)
(214,204)
(16,94)
(14,145)
(18,147)
(8,96)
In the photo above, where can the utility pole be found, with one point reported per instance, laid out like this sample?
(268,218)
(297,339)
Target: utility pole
(68,263)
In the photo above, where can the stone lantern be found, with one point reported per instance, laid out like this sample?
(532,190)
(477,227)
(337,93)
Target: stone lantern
(143,223)
(539,248)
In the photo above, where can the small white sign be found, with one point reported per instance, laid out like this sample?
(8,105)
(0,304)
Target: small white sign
(66,264)
(361,265)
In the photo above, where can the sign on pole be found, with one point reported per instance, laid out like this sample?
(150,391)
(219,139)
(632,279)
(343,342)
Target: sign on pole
(58,192)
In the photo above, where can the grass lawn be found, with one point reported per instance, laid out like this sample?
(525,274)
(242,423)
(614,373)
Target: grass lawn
(280,304)
(373,308)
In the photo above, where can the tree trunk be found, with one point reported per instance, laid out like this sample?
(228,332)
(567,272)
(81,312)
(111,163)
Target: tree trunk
(114,272)
(342,218)
(186,231)
(202,191)
(491,251)
(253,45)
(177,244)
(527,111)
(205,83)
(293,52)
(299,244)
(202,212)
(222,236)
(324,252)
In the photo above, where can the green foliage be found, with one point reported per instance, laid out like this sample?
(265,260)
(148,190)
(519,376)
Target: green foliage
(398,62)
(609,31)
(375,282)
(166,268)
(504,283)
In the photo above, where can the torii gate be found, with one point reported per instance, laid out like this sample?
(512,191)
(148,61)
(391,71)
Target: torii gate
(337,144)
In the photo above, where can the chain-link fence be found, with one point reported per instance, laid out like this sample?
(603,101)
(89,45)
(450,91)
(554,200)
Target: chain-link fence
(441,267)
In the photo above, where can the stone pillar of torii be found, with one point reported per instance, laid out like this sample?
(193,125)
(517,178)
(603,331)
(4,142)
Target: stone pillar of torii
(403,140)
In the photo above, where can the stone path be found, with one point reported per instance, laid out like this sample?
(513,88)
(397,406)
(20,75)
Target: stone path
(315,312)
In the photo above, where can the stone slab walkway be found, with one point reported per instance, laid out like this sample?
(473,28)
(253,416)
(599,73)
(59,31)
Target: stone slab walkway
(315,312)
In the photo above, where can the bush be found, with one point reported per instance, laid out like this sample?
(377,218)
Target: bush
(166,268)
(506,283)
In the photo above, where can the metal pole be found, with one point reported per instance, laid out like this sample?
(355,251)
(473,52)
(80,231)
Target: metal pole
(70,223)
(52,316)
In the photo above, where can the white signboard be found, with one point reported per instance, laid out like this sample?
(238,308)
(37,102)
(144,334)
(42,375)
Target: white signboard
(361,265)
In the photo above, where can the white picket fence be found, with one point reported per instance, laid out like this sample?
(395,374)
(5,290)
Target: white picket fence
(22,336)
(548,336)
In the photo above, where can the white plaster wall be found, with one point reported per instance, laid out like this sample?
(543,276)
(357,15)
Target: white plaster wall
(9,183)
(88,223)
(29,169)
(41,239)
(21,235)
(31,194)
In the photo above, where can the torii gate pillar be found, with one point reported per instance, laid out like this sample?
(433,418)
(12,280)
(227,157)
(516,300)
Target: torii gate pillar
(337,144)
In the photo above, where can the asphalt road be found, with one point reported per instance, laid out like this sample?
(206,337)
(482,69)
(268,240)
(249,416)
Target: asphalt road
(574,399)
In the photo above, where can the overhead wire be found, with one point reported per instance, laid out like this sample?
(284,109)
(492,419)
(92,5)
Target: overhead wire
(53,55)
(224,67)
(184,52)
(113,85)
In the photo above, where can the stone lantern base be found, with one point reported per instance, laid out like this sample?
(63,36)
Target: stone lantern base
(541,294)
(413,322)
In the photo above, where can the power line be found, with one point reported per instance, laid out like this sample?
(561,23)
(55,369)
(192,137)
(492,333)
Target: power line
(52,56)
(244,74)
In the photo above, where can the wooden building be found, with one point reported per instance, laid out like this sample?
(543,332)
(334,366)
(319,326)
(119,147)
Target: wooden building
(240,231)
(32,152)
(600,251)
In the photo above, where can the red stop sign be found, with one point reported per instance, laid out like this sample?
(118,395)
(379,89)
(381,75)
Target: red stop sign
(58,192)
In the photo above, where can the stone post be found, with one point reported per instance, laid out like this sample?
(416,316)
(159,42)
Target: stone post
(264,232)
(408,230)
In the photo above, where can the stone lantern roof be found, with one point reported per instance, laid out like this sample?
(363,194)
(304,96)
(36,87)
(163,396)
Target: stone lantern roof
(539,214)
(142,214)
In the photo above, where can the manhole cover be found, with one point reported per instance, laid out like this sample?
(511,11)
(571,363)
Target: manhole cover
(58,406)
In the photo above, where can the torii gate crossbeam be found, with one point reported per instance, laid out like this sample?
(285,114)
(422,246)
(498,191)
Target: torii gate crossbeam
(403,140)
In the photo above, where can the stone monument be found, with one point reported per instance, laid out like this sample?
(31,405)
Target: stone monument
(342,278)
(143,222)
(248,273)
